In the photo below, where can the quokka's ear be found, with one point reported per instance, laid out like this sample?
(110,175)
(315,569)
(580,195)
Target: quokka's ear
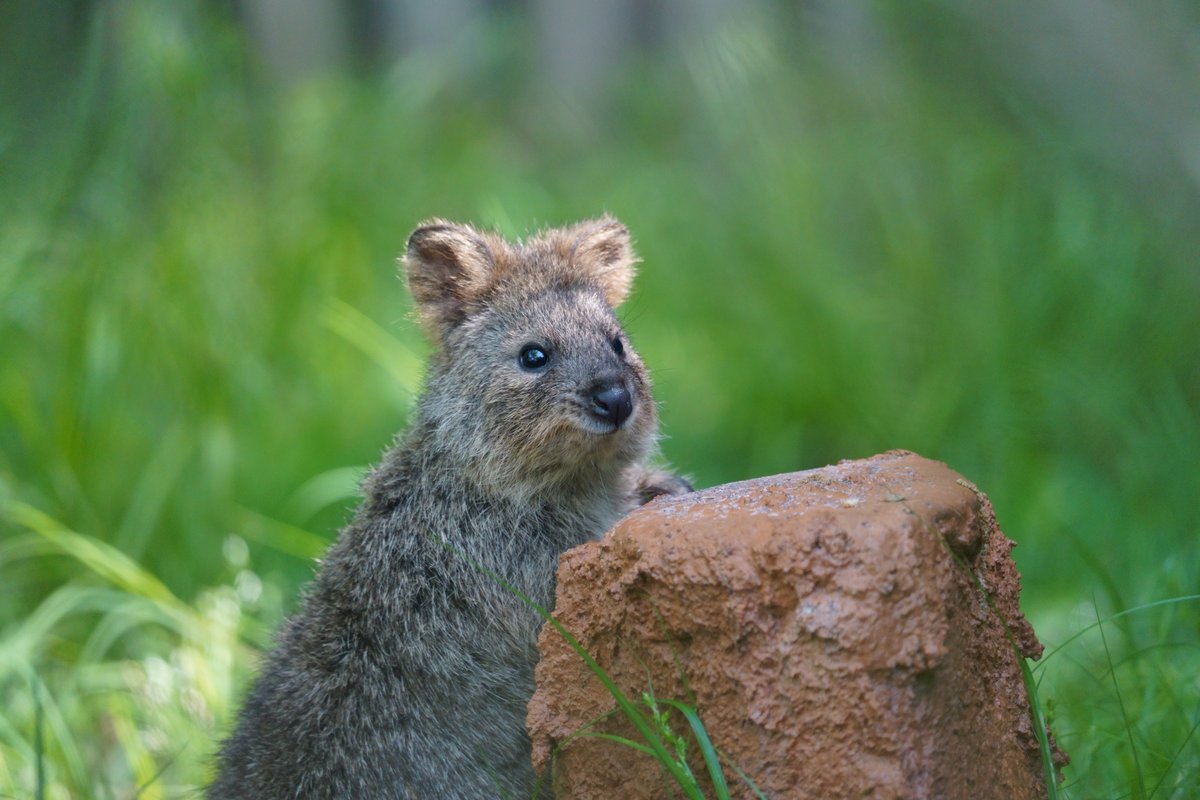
(448,266)
(603,251)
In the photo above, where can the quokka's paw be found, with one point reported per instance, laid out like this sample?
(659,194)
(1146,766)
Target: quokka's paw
(655,483)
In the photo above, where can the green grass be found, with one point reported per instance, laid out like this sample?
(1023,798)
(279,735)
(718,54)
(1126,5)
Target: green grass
(203,342)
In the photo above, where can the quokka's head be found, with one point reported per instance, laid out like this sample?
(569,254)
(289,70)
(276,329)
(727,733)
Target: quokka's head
(532,372)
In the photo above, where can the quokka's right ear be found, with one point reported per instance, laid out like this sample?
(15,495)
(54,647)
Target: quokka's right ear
(448,267)
(601,249)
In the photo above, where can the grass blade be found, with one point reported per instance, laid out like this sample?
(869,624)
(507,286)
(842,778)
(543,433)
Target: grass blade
(1188,598)
(397,360)
(621,740)
(1174,758)
(746,779)
(1137,764)
(100,557)
(1039,730)
(39,742)
(150,494)
(280,536)
(709,752)
(324,490)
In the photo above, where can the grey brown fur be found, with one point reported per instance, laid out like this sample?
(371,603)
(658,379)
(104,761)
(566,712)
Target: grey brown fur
(406,672)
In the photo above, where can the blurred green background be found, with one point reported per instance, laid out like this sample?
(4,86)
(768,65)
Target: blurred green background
(969,229)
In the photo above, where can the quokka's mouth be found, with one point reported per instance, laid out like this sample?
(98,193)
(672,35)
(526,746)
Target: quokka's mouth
(595,427)
(592,425)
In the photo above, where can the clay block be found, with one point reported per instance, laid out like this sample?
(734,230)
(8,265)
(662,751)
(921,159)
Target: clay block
(828,627)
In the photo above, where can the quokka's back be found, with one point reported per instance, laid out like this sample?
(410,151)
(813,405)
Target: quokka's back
(407,669)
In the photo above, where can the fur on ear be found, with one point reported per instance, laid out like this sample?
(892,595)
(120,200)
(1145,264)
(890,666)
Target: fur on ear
(448,267)
(603,252)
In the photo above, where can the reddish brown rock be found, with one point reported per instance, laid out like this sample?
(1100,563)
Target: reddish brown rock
(831,630)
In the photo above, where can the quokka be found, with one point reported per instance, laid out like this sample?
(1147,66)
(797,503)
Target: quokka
(407,670)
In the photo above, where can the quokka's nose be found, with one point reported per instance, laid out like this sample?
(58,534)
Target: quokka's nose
(611,402)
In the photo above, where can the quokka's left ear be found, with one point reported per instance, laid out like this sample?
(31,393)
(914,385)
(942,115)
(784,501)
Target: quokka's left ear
(603,252)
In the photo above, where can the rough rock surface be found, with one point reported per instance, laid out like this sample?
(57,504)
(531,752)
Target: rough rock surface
(831,631)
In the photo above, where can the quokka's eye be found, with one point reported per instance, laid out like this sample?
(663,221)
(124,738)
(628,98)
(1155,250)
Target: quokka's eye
(533,357)
(618,346)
